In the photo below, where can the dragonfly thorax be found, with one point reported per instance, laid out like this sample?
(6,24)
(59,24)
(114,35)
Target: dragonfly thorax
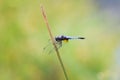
(61,38)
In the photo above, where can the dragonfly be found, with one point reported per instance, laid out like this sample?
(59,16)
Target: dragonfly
(59,42)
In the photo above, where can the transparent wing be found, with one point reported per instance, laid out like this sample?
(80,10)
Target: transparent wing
(49,48)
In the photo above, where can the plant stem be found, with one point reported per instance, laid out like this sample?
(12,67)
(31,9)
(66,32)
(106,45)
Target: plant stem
(53,42)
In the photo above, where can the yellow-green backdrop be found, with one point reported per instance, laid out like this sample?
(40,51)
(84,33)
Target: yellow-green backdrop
(23,34)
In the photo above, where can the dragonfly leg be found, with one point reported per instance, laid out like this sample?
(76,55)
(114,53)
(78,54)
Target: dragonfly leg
(58,44)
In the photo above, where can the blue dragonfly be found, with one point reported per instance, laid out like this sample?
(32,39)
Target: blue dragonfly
(59,42)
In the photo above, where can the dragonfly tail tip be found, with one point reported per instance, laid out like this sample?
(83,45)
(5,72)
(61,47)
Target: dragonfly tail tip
(81,38)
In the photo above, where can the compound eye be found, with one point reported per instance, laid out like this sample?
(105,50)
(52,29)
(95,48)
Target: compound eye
(56,38)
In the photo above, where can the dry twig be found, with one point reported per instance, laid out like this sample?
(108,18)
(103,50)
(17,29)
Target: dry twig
(53,42)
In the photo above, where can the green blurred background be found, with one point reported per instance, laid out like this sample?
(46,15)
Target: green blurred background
(23,34)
